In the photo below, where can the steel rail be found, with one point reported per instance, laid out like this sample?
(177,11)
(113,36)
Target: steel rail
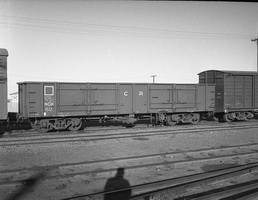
(231,192)
(58,174)
(135,129)
(144,191)
(85,138)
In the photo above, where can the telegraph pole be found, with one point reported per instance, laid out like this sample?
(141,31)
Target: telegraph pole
(153,78)
(256,40)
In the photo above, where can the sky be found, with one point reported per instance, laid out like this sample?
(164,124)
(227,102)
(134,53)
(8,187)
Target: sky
(125,41)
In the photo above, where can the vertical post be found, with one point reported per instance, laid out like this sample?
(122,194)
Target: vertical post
(153,78)
(256,40)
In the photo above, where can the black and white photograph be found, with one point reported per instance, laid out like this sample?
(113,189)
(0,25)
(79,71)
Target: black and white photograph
(128,99)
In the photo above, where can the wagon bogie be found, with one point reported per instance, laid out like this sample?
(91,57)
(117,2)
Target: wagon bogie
(234,116)
(249,115)
(74,124)
(170,121)
(242,116)
(183,118)
(229,117)
(195,118)
(45,125)
(128,121)
(41,126)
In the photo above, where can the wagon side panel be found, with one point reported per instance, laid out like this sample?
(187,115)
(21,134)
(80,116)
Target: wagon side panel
(173,98)
(125,95)
(229,93)
(248,92)
(31,100)
(72,99)
(141,98)
(3,99)
(103,98)
(3,83)
(186,97)
(49,99)
(239,92)
(161,98)
(206,97)
(256,92)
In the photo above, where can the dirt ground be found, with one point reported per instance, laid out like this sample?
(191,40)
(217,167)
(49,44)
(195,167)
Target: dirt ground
(42,157)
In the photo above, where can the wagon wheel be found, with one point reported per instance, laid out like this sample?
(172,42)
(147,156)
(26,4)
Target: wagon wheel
(33,126)
(42,129)
(241,116)
(130,125)
(39,128)
(169,121)
(248,116)
(205,116)
(228,117)
(195,118)
(76,124)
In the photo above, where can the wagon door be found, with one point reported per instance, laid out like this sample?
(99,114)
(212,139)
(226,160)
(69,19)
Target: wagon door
(125,98)
(238,92)
(141,98)
(3,99)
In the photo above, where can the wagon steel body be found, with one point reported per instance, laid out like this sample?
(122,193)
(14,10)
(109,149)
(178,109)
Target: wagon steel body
(236,92)
(129,101)
(3,83)
(227,95)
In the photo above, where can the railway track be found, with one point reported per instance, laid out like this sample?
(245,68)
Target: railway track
(84,137)
(232,153)
(92,130)
(175,188)
(174,160)
(194,191)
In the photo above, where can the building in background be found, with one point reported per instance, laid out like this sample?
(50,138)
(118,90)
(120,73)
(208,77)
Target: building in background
(13,102)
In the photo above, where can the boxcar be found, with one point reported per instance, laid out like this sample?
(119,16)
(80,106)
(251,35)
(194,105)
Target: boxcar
(55,105)
(3,90)
(236,93)
(3,83)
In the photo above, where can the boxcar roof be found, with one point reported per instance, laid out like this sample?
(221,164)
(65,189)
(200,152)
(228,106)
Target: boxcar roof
(3,52)
(233,72)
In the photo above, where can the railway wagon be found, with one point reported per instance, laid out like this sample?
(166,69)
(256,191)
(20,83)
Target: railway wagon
(3,83)
(63,105)
(236,93)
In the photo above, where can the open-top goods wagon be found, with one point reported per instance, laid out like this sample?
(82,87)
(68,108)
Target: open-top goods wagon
(226,95)
(55,105)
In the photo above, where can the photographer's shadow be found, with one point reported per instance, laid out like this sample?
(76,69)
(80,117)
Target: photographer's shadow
(117,188)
